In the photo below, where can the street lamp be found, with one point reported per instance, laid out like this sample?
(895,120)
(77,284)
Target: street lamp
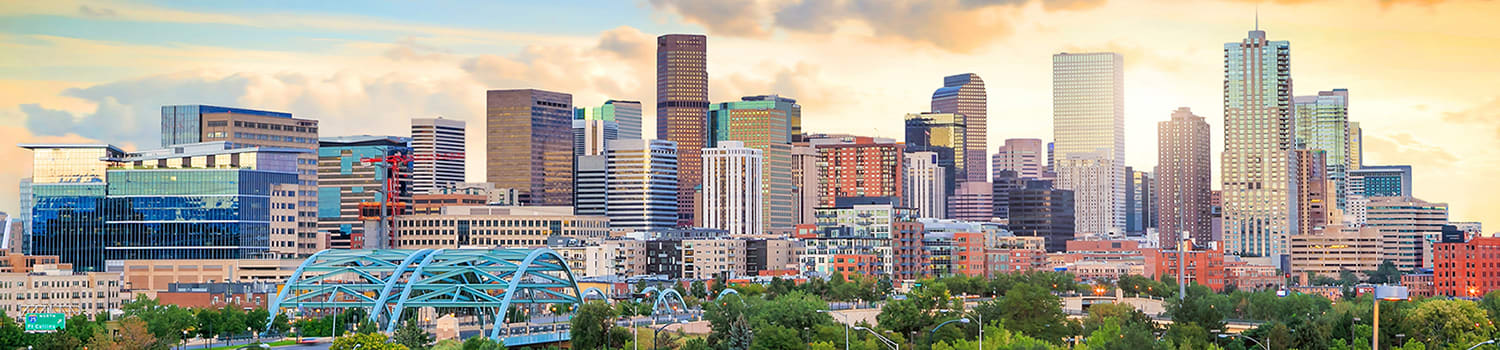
(846,328)
(940,325)
(1491,341)
(1257,342)
(887,341)
(657,335)
(1390,293)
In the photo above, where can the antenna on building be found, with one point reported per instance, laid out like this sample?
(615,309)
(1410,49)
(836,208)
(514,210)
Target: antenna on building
(1257,16)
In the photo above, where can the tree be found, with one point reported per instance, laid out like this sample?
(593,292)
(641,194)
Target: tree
(919,310)
(773,337)
(694,344)
(58,341)
(795,311)
(591,325)
(1114,336)
(482,343)
(1197,308)
(207,325)
(699,290)
(721,315)
(256,321)
(1385,273)
(11,334)
(361,341)
(1448,322)
(412,336)
(281,325)
(1034,311)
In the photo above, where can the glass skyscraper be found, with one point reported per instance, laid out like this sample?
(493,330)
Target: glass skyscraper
(1258,170)
(529,144)
(1088,129)
(964,94)
(762,125)
(947,135)
(682,109)
(626,114)
(1323,124)
(95,203)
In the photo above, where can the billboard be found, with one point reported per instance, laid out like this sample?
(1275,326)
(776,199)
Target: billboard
(45,322)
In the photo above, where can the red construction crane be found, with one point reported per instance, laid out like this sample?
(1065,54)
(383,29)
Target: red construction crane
(392,165)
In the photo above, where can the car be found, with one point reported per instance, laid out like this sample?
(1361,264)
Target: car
(255,347)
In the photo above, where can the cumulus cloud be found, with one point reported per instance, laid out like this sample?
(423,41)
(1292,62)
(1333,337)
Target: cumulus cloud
(954,25)
(1403,148)
(620,65)
(1486,115)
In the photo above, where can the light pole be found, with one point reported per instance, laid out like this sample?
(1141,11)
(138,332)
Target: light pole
(1491,341)
(1257,342)
(1384,292)
(940,325)
(846,328)
(887,341)
(657,335)
(1351,329)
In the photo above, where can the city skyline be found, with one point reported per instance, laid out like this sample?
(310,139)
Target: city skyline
(1409,116)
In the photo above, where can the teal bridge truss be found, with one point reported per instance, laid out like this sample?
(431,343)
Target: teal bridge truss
(388,282)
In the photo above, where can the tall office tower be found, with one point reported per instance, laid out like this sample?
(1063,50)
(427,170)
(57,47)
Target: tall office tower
(946,135)
(95,203)
(805,178)
(1258,169)
(345,183)
(642,184)
(528,144)
(761,125)
(430,137)
(1356,146)
(682,109)
(964,94)
(1184,177)
(1323,124)
(591,186)
(589,136)
(1312,191)
(861,168)
(26,204)
(972,201)
(241,128)
(1088,128)
(625,114)
(732,193)
(785,104)
(1027,157)
(1039,210)
(1004,182)
(1381,181)
(1408,227)
(1140,201)
(924,185)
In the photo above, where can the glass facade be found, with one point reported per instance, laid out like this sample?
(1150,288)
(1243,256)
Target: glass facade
(964,94)
(627,114)
(761,125)
(1257,168)
(945,134)
(1323,124)
(529,138)
(1088,125)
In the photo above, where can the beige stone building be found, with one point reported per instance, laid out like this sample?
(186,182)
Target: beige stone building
(616,257)
(707,258)
(460,226)
(55,288)
(149,276)
(1337,248)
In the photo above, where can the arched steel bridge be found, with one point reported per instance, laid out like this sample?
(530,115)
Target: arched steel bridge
(390,281)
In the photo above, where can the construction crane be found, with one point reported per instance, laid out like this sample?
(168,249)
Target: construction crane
(391,190)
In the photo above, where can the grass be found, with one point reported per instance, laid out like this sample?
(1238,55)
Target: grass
(273,344)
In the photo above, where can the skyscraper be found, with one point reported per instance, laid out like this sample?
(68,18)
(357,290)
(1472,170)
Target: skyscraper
(761,125)
(1088,127)
(1408,228)
(1323,124)
(1312,191)
(924,185)
(682,109)
(1027,157)
(1381,181)
(1356,146)
(972,201)
(590,136)
(625,114)
(1184,176)
(785,104)
(242,128)
(345,182)
(964,94)
(1039,210)
(430,137)
(861,168)
(805,178)
(529,144)
(642,184)
(947,135)
(1258,169)
(1140,201)
(732,191)
(590,192)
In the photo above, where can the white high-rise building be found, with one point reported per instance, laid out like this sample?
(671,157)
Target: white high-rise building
(1258,165)
(590,136)
(924,182)
(1088,127)
(642,184)
(1026,157)
(429,138)
(732,188)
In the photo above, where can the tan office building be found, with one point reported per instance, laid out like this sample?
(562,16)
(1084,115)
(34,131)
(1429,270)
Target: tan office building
(707,258)
(55,288)
(1337,248)
(459,226)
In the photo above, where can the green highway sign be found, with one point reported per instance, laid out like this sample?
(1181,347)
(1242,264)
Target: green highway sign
(45,322)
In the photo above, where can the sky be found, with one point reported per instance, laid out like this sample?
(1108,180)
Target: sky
(1421,73)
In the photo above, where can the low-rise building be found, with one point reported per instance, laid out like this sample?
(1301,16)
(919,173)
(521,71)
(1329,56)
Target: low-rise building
(1466,269)
(1093,270)
(709,258)
(1205,267)
(616,257)
(1247,276)
(1338,248)
(57,289)
(218,294)
(151,276)
(1419,284)
(467,226)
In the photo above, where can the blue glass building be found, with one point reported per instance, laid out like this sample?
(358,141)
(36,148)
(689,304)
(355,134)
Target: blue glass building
(344,181)
(1381,181)
(95,203)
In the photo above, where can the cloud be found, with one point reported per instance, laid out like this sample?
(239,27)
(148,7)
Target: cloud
(96,12)
(954,25)
(726,17)
(619,65)
(1403,148)
(1485,115)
